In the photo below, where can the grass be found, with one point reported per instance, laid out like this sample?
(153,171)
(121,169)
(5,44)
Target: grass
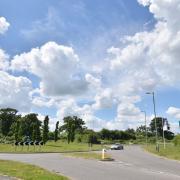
(51,146)
(27,172)
(171,151)
(88,155)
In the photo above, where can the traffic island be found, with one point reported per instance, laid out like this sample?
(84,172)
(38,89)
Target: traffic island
(107,159)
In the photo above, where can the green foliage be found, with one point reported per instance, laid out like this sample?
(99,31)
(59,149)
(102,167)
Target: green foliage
(30,126)
(106,134)
(176,140)
(56,131)
(171,151)
(17,127)
(168,134)
(51,135)
(7,118)
(159,125)
(93,139)
(72,125)
(28,172)
(14,127)
(45,129)
(51,146)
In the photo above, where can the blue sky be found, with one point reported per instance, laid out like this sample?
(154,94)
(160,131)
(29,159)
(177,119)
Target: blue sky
(101,58)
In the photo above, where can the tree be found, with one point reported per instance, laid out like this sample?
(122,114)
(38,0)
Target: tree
(159,125)
(72,125)
(131,133)
(7,118)
(56,131)
(141,130)
(105,134)
(30,126)
(176,140)
(92,139)
(45,129)
(168,134)
(17,126)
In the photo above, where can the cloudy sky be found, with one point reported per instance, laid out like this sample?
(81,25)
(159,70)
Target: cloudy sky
(91,58)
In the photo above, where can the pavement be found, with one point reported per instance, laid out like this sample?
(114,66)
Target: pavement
(132,163)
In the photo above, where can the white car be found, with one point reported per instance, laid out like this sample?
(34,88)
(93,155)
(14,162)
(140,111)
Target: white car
(117,147)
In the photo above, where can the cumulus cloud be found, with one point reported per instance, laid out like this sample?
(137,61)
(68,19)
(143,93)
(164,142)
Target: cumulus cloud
(143,62)
(104,99)
(69,107)
(4,25)
(57,68)
(4,60)
(151,58)
(173,111)
(14,92)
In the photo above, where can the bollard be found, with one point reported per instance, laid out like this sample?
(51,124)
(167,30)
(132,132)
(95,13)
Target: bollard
(103,154)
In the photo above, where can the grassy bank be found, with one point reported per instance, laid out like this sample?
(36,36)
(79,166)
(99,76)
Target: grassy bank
(27,172)
(88,155)
(51,146)
(171,151)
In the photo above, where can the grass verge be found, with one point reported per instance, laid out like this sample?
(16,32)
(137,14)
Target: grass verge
(27,172)
(171,151)
(51,146)
(88,155)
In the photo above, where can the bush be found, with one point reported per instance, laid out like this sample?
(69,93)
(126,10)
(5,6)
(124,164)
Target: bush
(93,139)
(176,140)
(7,140)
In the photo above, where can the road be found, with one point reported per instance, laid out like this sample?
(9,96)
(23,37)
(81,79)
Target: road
(130,164)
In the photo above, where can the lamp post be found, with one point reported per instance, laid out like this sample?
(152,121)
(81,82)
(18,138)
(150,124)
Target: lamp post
(164,141)
(145,125)
(152,93)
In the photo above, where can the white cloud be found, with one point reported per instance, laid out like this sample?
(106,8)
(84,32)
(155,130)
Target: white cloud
(69,107)
(144,2)
(143,62)
(149,60)
(56,66)
(95,82)
(173,111)
(4,60)
(104,99)
(146,61)
(40,101)
(4,25)
(14,92)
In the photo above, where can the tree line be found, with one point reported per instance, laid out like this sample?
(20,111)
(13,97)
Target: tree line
(29,128)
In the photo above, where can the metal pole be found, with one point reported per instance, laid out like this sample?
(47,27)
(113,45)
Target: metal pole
(145,126)
(157,145)
(163,134)
(155,120)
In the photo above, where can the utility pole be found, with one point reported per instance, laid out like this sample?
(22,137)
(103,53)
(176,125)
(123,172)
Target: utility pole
(164,141)
(154,105)
(145,125)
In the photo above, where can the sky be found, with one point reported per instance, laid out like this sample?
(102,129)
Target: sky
(91,58)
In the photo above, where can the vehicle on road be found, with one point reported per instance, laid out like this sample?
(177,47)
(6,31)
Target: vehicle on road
(117,146)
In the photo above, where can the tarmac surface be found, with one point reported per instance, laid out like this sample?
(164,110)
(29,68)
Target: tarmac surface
(132,163)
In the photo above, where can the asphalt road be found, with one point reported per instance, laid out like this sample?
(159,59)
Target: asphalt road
(6,178)
(130,164)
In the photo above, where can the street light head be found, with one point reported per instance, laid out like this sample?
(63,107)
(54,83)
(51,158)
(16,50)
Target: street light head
(148,93)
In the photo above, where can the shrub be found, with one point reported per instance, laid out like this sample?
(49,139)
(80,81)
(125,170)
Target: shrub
(176,140)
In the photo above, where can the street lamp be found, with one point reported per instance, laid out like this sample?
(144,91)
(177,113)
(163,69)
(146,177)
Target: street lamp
(152,93)
(145,125)
(163,124)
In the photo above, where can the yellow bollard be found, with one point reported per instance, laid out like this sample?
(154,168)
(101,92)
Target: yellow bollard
(103,154)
